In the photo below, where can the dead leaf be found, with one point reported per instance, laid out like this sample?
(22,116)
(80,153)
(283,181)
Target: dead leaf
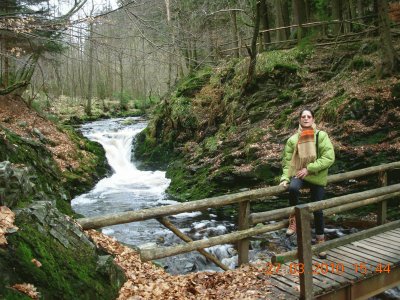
(28,289)
(7,218)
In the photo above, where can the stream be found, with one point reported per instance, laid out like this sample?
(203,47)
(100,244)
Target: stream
(128,188)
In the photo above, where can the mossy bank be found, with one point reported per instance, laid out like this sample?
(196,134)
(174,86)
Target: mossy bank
(214,135)
(42,167)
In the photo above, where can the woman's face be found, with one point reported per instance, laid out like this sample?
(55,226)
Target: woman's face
(306,119)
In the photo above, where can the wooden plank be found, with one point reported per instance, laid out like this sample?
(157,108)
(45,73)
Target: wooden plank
(368,255)
(324,204)
(342,278)
(294,281)
(167,210)
(303,229)
(279,289)
(243,224)
(382,206)
(381,246)
(281,213)
(383,242)
(366,288)
(353,205)
(394,232)
(319,285)
(374,248)
(372,252)
(390,238)
(350,263)
(287,289)
(361,262)
(348,271)
(292,255)
(353,259)
(328,282)
(362,172)
(393,236)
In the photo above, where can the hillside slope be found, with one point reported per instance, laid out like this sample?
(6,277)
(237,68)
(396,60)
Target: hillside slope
(214,137)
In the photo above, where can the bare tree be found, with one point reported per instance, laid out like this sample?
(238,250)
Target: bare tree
(390,59)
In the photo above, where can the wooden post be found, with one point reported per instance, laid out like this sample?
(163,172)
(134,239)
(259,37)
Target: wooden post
(243,222)
(303,229)
(382,206)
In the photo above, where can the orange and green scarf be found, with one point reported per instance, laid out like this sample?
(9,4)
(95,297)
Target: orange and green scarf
(304,152)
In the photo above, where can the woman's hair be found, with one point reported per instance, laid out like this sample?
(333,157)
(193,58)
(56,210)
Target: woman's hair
(306,109)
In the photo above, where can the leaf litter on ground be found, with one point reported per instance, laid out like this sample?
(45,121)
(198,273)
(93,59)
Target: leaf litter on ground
(147,281)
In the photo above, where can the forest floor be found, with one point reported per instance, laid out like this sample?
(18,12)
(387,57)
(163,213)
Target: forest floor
(147,281)
(15,115)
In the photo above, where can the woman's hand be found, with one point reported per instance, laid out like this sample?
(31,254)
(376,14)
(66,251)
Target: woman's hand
(302,173)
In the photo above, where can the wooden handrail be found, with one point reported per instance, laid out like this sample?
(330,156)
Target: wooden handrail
(380,194)
(323,204)
(162,211)
(168,210)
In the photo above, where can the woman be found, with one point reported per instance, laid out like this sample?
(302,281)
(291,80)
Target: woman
(307,156)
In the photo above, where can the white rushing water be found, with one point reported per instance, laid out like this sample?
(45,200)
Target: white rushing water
(128,188)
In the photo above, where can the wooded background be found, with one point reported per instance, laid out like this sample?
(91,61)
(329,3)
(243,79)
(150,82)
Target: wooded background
(83,50)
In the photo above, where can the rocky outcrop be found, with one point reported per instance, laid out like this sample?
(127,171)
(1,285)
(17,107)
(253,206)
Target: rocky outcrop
(14,183)
(71,267)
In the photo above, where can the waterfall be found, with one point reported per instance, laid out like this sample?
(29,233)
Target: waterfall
(129,188)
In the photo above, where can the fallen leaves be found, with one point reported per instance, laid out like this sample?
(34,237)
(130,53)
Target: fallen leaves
(146,281)
(28,289)
(7,218)
(16,116)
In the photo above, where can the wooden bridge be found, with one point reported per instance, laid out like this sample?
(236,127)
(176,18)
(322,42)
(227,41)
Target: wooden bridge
(358,265)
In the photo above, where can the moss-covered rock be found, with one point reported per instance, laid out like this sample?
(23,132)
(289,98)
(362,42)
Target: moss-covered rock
(70,266)
(43,173)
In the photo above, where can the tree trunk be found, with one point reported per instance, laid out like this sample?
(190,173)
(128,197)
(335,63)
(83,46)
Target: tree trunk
(337,15)
(281,35)
(168,11)
(390,59)
(253,50)
(88,108)
(360,10)
(300,17)
(235,35)
(266,37)
(121,79)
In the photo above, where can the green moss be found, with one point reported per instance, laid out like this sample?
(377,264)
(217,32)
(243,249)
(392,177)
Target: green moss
(211,143)
(370,139)
(193,83)
(189,185)
(65,273)
(152,153)
(282,120)
(359,63)
(329,112)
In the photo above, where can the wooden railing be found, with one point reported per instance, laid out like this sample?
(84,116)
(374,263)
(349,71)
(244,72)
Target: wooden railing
(246,220)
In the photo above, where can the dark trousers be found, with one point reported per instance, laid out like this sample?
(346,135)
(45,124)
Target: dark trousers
(317,194)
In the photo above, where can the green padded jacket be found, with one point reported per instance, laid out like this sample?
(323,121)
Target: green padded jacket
(318,170)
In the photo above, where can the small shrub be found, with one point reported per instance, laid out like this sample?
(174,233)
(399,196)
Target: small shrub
(360,63)
(329,112)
